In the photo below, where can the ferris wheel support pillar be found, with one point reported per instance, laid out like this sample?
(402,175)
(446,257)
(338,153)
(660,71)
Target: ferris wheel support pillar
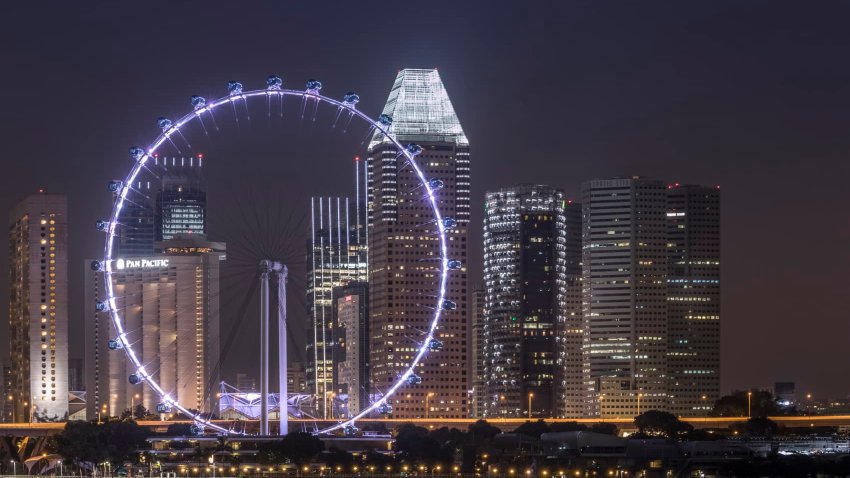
(265,268)
(283,364)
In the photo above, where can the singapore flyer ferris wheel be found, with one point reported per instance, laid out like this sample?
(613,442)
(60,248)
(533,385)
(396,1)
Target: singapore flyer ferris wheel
(202,117)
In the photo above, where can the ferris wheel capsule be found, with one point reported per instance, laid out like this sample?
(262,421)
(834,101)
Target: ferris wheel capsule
(96,266)
(413,149)
(436,183)
(134,379)
(101,306)
(350,430)
(115,185)
(101,225)
(196,429)
(313,86)
(234,88)
(163,408)
(454,264)
(385,120)
(385,409)
(198,102)
(114,345)
(136,152)
(350,99)
(164,123)
(448,304)
(274,82)
(414,379)
(449,222)
(435,345)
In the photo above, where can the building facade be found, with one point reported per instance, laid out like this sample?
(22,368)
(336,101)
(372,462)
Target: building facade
(693,298)
(174,201)
(38,308)
(404,251)
(336,257)
(351,317)
(475,354)
(170,312)
(624,299)
(525,277)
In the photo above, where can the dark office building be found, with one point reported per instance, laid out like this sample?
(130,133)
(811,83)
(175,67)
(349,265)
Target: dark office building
(693,298)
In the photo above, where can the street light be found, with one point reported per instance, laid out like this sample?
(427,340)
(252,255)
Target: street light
(638,402)
(133,406)
(14,467)
(427,403)
(749,404)
(530,396)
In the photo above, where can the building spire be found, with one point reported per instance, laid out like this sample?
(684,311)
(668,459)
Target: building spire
(421,110)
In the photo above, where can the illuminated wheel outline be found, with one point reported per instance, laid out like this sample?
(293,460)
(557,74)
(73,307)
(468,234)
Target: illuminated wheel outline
(172,128)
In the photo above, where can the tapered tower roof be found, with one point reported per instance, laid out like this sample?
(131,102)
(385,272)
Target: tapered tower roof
(421,110)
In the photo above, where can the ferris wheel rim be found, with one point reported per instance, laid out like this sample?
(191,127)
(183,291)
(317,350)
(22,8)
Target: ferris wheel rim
(196,114)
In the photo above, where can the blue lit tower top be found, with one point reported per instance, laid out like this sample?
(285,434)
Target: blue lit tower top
(421,110)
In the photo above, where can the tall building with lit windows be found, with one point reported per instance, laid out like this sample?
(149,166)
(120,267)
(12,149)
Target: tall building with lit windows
(693,298)
(404,251)
(527,277)
(336,257)
(174,203)
(624,298)
(169,306)
(475,352)
(38,308)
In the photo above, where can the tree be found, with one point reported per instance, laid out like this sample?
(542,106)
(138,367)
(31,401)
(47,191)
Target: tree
(533,429)
(761,404)
(336,457)
(90,442)
(414,443)
(658,423)
(757,426)
(300,447)
(482,431)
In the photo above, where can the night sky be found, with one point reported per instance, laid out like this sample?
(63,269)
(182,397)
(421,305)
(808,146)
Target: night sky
(753,96)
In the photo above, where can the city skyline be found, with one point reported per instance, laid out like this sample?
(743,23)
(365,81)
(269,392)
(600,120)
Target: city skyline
(680,140)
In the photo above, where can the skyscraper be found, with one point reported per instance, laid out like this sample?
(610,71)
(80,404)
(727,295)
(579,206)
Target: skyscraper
(336,256)
(403,270)
(569,339)
(624,302)
(38,307)
(174,203)
(351,318)
(181,204)
(475,353)
(170,312)
(693,298)
(525,310)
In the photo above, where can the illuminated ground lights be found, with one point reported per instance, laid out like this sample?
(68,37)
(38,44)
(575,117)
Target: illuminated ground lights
(202,108)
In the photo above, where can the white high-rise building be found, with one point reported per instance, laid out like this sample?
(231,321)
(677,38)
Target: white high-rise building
(403,270)
(624,300)
(38,308)
(169,306)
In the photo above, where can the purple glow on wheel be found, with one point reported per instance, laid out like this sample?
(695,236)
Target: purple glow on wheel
(200,107)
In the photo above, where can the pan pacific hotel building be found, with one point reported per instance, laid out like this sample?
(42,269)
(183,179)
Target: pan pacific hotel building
(170,310)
